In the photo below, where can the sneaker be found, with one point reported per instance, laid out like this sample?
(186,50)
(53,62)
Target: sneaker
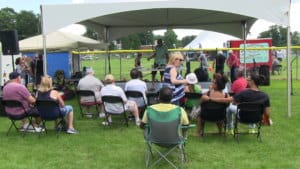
(270,122)
(72,131)
(89,115)
(130,117)
(29,128)
(39,129)
(101,115)
(252,131)
(230,132)
(138,122)
(105,123)
(21,129)
(25,125)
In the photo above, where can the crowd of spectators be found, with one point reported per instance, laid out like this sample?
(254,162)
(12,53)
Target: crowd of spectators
(171,96)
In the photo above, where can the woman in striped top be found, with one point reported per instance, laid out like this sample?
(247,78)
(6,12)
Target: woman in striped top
(173,79)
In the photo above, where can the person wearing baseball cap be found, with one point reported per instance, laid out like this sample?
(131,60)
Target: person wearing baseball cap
(14,90)
(90,82)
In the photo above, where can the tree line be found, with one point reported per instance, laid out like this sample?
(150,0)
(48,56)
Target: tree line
(28,24)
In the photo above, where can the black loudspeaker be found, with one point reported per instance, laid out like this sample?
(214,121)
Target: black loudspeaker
(10,42)
(264,70)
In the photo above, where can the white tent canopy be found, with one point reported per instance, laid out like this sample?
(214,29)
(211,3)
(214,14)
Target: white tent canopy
(209,39)
(113,20)
(59,41)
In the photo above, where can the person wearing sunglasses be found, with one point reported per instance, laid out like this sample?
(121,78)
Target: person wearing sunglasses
(172,77)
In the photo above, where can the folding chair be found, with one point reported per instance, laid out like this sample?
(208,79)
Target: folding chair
(138,97)
(114,105)
(50,111)
(248,113)
(152,97)
(20,115)
(213,112)
(163,133)
(87,93)
(192,96)
(2,112)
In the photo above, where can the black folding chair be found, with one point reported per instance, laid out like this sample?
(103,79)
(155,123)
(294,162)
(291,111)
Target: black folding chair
(152,97)
(87,93)
(192,96)
(137,96)
(2,112)
(50,111)
(16,116)
(213,112)
(114,101)
(249,113)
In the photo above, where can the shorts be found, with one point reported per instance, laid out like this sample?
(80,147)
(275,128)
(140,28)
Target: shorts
(66,110)
(33,112)
(130,105)
(160,66)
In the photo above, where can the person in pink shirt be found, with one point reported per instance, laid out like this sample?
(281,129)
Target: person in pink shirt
(233,63)
(240,83)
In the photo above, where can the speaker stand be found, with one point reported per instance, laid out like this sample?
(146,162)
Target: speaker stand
(13,60)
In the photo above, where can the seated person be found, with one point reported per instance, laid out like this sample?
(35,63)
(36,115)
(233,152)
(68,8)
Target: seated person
(14,90)
(165,96)
(216,91)
(110,89)
(192,87)
(251,94)
(136,84)
(237,86)
(90,82)
(45,91)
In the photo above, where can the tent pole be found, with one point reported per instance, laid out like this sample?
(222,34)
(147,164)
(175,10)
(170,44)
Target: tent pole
(244,24)
(288,54)
(44,42)
(108,53)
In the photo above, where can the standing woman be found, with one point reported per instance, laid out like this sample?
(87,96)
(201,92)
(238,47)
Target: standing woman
(173,79)
(39,69)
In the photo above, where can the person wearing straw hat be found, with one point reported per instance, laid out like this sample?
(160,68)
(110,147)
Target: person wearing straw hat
(192,87)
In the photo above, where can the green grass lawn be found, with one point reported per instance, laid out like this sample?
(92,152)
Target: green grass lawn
(117,147)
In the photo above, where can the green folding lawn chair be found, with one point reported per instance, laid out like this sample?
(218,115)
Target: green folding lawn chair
(163,136)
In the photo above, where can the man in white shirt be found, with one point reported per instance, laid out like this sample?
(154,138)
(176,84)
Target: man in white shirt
(90,82)
(135,84)
(110,89)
